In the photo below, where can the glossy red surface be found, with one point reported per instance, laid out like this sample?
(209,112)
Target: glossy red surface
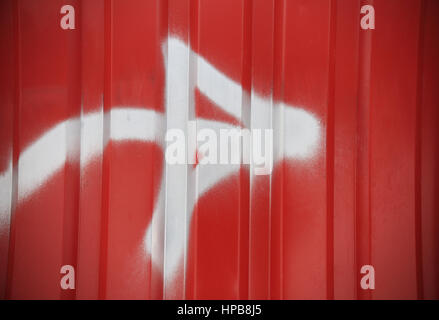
(368,196)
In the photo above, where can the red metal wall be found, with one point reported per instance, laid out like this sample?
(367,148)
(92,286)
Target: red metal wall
(77,189)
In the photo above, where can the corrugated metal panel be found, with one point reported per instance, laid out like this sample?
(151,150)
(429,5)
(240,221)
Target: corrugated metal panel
(83,179)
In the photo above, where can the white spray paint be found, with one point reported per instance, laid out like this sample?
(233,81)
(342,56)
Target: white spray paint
(5,197)
(299,139)
(297,133)
(48,154)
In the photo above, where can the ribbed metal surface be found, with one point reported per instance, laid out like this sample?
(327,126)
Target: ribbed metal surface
(83,179)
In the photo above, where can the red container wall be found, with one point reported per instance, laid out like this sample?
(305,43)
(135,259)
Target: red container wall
(83,177)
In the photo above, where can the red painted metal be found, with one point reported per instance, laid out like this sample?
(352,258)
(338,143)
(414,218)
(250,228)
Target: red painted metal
(370,196)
